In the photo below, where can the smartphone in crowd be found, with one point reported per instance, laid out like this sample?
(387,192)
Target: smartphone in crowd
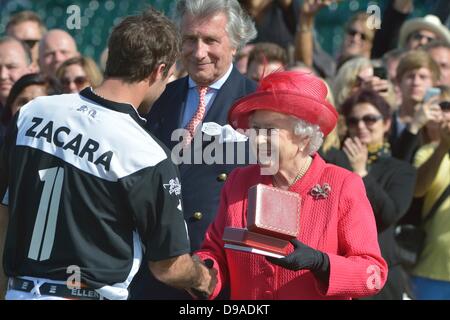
(431,92)
(380,72)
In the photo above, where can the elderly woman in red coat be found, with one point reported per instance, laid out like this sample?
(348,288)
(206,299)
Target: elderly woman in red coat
(336,254)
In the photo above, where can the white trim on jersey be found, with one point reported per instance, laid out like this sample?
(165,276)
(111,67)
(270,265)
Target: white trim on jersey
(87,136)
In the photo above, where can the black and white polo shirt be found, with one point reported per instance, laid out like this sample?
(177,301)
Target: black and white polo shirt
(87,187)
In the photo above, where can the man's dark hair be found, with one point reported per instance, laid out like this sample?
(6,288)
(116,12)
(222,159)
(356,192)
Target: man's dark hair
(266,52)
(139,44)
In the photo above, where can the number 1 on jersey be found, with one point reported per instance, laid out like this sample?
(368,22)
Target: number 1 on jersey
(45,226)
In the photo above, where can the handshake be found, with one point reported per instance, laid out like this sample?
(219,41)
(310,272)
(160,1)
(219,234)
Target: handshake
(207,279)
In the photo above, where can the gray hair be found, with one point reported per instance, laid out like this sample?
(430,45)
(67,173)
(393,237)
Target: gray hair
(240,27)
(306,129)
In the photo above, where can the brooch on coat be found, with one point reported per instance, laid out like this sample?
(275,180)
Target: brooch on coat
(320,192)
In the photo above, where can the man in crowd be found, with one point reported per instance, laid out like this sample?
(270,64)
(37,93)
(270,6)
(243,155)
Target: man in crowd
(15,61)
(417,32)
(56,47)
(417,72)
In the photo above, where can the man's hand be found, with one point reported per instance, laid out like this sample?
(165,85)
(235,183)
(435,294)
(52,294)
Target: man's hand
(209,276)
(184,272)
(303,257)
(427,111)
(311,7)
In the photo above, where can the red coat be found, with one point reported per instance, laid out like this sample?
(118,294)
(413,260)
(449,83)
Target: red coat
(342,225)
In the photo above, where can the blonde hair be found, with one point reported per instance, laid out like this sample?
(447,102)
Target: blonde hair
(91,69)
(332,139)
(417,59)
(346,78)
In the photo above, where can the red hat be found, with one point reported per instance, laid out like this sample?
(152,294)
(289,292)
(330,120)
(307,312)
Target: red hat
(301,95)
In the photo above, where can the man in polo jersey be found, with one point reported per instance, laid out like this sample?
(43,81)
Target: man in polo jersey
(89,192)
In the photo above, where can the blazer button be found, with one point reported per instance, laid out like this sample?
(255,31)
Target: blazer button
(198,215)
(222,177)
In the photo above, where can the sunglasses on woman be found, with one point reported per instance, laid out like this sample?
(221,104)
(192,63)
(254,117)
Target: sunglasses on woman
(79,81)
(368,119)
(445,106)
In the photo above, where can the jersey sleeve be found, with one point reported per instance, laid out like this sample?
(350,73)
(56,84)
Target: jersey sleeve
(159,217)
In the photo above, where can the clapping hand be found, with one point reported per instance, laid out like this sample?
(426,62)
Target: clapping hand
(357,154)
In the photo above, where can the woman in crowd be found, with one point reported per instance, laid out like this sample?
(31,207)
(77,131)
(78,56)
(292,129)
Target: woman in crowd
(336,255)
(389,182)
(78,73)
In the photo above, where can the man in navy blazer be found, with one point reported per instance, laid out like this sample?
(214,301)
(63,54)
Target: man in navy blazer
(210,39)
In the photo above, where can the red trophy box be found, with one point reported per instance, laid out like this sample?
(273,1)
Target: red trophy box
(273,218)
(274,212)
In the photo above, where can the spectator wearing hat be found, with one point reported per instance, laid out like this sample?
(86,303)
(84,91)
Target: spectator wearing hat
(336,253)
(417,32)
